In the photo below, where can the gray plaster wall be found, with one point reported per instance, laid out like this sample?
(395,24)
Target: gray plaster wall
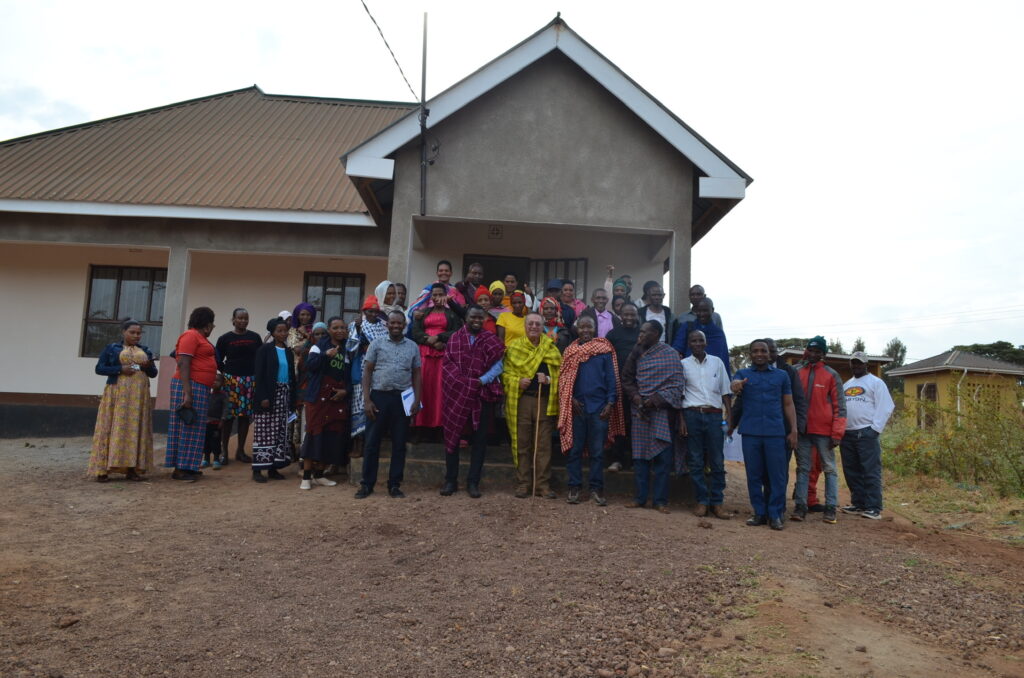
(549,145)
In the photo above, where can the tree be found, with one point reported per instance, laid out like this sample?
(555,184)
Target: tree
(792,342)
(999,350)
(739,357)
(835,346)
(896,350)
(858,345)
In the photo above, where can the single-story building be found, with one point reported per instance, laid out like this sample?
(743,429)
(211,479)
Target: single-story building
(548,161)
(840,362)
(950,379)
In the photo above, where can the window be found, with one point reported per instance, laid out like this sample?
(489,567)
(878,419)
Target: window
(543,270)
(117,293)
(334,294)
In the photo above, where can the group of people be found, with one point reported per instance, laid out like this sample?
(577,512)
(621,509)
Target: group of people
(628,380)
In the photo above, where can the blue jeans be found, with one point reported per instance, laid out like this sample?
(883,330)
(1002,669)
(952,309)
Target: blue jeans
(828,464)
(862,466)
(765,457)
(391,417)
(705,442)
(587,431)
(661,464)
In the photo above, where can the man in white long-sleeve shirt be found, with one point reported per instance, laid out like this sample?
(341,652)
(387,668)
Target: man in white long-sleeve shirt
(868,408)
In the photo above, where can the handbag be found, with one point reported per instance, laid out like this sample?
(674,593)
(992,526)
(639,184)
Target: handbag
(186,414)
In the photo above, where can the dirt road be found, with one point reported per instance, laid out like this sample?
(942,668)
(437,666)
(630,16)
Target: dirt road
(226,577)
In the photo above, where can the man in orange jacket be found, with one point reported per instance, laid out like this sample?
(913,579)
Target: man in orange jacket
(826,424)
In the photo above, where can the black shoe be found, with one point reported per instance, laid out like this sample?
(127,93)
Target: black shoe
(184,476)
(363,492)
(473,490)
(799,513)
(522,494)
(757,521)
(776,523)
(830,515)
(223,460)
(817,508)
(449,488)
(243,457)
(259,477)
(396,493)
(273,474)
(574,496)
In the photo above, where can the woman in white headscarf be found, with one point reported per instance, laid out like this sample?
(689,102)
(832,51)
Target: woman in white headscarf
(387,298)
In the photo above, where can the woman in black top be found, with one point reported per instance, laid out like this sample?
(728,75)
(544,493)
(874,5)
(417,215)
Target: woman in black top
(274,396)
(236,359)
(328,412)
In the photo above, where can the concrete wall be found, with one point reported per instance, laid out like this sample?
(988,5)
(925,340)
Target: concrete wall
(548,146)
(628,252)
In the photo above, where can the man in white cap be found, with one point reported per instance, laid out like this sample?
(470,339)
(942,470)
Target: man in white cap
(868,408)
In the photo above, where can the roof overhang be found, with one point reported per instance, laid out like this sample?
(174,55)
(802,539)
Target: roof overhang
(186,212)
(722,180)
(906,372)
(798,352)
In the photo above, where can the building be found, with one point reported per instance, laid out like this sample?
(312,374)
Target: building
(548,161)
(840,362)
(955,381)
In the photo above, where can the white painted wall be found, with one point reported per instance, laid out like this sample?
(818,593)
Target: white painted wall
(43,297)
(632,254)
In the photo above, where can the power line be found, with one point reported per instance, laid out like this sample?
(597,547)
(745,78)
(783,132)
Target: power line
(368,13)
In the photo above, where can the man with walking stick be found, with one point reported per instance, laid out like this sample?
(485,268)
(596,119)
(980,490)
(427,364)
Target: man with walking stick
(531,406)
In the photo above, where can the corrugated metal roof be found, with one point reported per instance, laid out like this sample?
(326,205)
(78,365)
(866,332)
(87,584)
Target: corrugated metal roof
(240,149)
(958,360)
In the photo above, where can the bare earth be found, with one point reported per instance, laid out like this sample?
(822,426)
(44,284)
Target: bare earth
(226,577)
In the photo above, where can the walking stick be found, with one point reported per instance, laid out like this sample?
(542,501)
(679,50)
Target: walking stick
(536,439)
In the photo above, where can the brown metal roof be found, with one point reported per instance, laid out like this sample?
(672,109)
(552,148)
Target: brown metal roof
(959,361)
(241,149)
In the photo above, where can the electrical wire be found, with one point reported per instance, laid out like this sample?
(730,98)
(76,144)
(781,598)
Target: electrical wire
(407,84)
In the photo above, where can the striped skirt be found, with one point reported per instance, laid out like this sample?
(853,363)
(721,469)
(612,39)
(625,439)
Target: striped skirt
(184,442)
(270,432)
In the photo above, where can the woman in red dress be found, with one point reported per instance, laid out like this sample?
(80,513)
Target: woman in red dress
(431,332)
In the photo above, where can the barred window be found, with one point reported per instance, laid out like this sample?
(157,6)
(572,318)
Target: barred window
(334,294)
(117,293)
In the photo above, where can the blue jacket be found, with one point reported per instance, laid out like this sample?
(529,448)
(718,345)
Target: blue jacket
(109,364)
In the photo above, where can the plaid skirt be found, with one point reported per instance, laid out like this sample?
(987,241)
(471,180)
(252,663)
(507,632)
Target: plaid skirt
(270,432)
(185,443)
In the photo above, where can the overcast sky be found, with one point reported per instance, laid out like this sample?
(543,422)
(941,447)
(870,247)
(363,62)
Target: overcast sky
(885,139)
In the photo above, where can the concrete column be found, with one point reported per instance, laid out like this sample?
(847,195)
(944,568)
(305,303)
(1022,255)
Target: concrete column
(399,249)
(179,265)
(679,265)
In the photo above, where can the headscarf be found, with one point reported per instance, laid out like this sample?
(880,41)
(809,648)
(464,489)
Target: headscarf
(557,321)
(497,285)
(319,326)
(381,292)
(303,307)
(481,292)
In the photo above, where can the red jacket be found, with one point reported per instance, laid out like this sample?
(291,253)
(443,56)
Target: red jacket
(826,403)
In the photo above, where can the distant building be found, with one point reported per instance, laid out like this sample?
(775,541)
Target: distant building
(950,378)
(840,362)
(548,161)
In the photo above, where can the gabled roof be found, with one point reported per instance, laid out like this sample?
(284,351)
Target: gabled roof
(835,356)
(959,361)
(242,154)
(722,178)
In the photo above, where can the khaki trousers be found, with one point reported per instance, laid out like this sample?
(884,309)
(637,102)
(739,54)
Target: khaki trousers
(526,415)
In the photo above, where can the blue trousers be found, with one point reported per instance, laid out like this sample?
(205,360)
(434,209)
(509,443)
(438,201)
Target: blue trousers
(705,442)
(661,465)
(391,417)
(587,431)
(862,467)
(765,456)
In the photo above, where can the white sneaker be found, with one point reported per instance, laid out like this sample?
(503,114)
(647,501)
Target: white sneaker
(306,484)
(326,482)
(615,467)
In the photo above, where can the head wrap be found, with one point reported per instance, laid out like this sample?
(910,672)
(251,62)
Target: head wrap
(381,292)
(557,320)
(371,302)
(303,307)
(319,326)
(481,291)
(621,281)
(497,285)
(819,343)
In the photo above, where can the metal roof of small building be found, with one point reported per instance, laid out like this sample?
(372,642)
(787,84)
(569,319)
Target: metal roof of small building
(960,361)
(835,356)
(240,149)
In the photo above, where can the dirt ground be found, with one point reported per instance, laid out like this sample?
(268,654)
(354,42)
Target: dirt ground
(226,577)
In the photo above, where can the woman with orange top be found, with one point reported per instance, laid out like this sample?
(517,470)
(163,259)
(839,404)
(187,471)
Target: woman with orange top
(190,394)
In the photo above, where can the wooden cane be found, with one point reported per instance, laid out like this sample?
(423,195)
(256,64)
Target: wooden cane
(536,439)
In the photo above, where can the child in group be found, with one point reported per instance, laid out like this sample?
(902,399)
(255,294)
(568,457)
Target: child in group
(211,447)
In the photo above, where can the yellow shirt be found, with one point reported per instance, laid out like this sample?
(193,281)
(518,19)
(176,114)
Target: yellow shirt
(515,326)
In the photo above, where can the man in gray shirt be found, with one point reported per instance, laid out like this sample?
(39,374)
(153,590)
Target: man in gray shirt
(391,365)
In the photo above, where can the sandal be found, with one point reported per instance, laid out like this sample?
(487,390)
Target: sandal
(103,478)
(132,475)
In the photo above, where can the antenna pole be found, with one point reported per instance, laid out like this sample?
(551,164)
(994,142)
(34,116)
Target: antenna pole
(424,112)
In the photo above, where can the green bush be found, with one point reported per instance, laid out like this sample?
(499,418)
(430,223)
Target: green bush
(982,443)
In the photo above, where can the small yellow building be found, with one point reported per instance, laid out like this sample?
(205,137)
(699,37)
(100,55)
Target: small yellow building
(956,381)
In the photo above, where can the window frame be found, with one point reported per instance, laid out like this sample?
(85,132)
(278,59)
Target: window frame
(321,316)
(580,282)
(86,320)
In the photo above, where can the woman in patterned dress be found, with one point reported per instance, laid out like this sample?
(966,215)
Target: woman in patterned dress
(274,397)
(236,356)
(123,439)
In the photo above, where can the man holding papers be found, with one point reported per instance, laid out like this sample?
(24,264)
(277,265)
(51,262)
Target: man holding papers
(391,366)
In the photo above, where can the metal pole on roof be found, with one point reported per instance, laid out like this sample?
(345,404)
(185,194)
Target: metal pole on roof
(424,112)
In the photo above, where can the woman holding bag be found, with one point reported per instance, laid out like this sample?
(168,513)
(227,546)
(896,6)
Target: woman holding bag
(190,394)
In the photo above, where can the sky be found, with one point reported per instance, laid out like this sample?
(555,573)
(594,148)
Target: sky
(885,139)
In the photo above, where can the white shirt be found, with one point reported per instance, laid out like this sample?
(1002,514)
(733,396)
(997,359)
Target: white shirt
(660,317)
(868,403)
(706,382)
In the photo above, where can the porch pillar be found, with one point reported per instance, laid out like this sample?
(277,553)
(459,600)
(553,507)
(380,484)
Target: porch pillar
(398,249)
(179,265)
(679,266)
